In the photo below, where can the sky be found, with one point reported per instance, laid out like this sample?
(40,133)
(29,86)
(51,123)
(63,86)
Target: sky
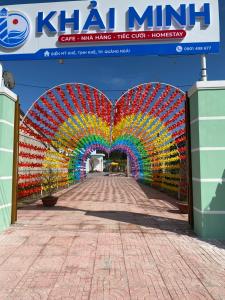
(113,75)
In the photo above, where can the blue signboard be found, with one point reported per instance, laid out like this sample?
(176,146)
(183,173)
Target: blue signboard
(108,28)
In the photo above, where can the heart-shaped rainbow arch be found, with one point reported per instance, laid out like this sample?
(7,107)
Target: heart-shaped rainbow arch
(68,122)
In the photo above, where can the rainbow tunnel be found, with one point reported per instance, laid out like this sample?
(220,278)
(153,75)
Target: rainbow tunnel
(68,122)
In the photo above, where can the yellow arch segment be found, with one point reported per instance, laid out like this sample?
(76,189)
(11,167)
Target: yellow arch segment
(75,128)
(162,139)
(132,125)
(88,123)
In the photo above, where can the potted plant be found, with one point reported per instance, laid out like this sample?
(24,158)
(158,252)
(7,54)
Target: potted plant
(49,181)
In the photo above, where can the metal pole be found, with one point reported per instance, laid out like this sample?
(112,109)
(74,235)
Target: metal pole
(204,68)
(1,74)
(128,166)
(15,162)
(189,163)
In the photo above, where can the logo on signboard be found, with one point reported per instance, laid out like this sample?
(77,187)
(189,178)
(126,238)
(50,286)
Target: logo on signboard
(14,29)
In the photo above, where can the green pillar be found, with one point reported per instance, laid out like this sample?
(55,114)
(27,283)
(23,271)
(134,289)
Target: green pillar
(7,117)
(207,114)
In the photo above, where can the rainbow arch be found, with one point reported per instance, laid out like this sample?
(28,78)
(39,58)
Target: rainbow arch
(70,121)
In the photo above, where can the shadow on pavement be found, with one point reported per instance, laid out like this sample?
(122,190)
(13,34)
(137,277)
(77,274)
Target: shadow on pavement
(179,227)
(145,220)
(149,221)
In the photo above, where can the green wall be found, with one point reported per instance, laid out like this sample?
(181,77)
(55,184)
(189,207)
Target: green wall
(7,114)
(207,109)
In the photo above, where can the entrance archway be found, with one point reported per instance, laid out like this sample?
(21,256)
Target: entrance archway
(70,121)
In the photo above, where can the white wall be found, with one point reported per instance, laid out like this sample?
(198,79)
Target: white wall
(98,164)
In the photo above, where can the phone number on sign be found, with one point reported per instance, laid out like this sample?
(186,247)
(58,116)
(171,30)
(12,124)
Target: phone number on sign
(198,48)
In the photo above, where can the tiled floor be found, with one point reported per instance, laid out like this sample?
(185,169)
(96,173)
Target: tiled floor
(108,238)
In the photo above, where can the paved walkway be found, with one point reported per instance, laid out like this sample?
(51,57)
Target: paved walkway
(110,239)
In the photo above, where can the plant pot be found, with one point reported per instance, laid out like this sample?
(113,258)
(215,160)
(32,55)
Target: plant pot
(183,207)
(49,201)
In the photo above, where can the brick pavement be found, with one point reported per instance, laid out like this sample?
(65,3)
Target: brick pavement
(108,238)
